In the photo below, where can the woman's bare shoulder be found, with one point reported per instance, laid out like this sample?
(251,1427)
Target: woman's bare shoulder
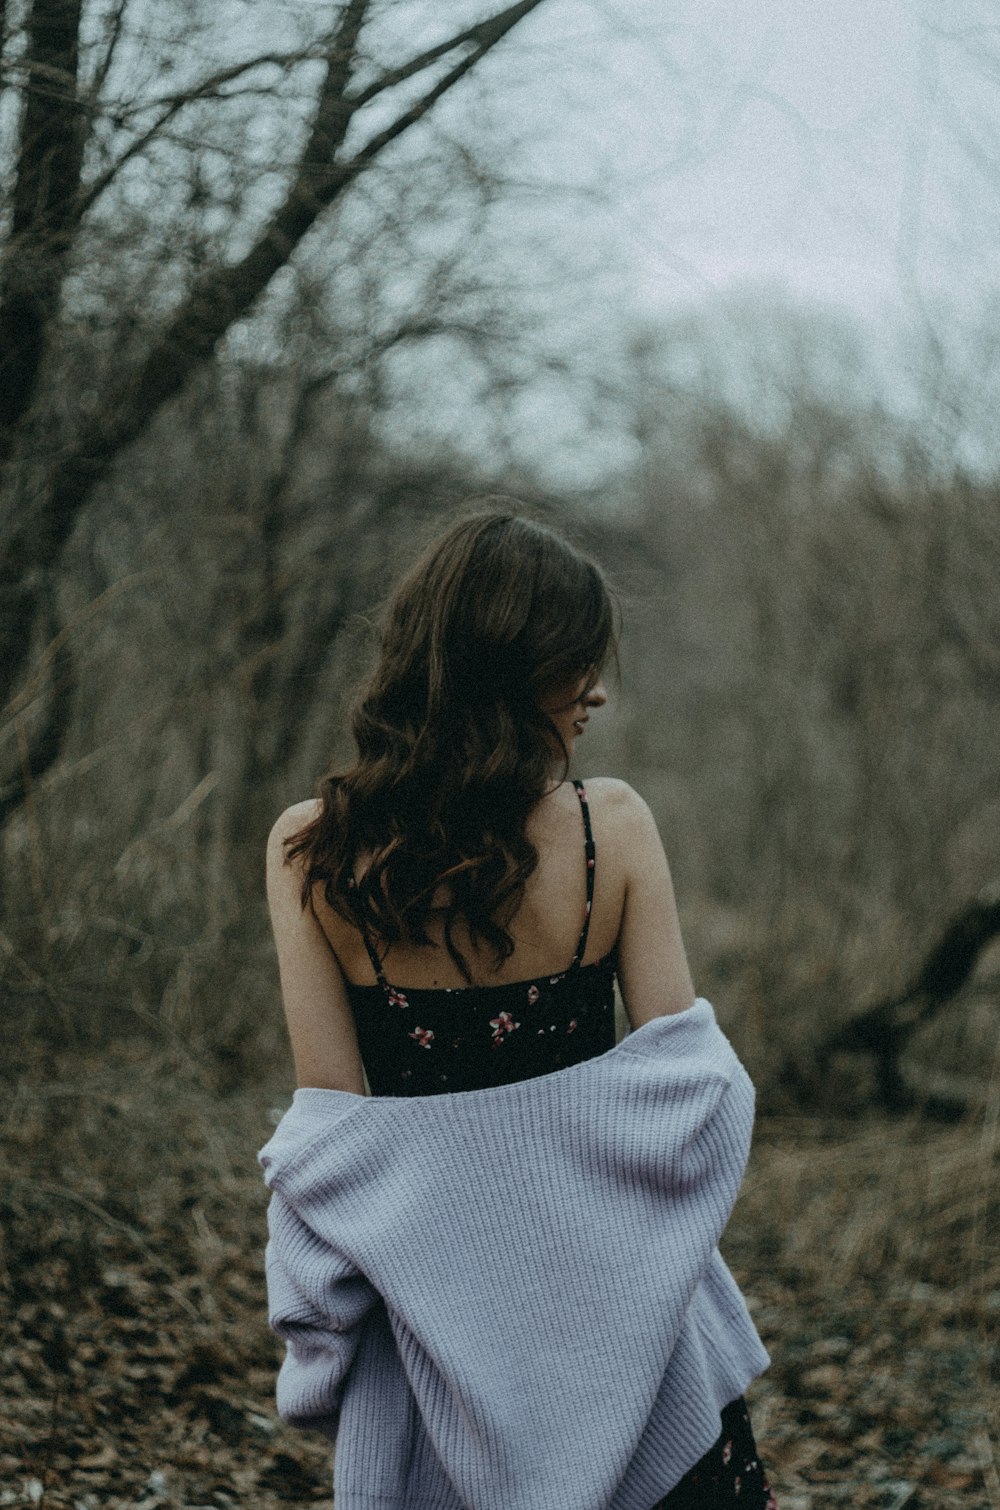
(286,825)
(611,794)
(610,788)
(623,822)
(299,814)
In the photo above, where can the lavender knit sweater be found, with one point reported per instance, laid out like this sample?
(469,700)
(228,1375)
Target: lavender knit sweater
(512,1298)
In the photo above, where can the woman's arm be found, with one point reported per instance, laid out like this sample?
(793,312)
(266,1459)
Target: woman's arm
(653,970)
(320,1024)
(321,1339)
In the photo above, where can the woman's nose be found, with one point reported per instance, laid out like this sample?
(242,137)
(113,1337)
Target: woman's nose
(597,696)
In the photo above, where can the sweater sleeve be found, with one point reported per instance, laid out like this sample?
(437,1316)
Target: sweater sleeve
(715,1160)
(317,1302)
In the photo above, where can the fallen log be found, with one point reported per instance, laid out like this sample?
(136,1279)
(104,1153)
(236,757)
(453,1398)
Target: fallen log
(884,1029)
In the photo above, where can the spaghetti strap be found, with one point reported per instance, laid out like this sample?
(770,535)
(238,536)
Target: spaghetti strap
(590,854)
(352,892)
(581,948)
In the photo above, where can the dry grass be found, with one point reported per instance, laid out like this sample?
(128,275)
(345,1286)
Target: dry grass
(870,1255)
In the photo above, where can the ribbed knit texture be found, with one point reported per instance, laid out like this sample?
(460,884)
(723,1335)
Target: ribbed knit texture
(512,1298)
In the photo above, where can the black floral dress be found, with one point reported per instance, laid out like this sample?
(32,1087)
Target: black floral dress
(729,1475)
(420,1041)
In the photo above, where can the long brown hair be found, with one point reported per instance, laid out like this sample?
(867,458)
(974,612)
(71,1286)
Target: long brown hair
(453,748)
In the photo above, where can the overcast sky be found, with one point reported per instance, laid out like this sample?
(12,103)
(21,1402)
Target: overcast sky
(849,150)
(846,153)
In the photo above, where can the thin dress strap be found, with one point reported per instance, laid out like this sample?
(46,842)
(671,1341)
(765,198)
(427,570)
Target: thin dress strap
(352,892)
(590,853)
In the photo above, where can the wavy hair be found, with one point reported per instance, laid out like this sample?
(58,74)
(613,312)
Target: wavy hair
(453,748)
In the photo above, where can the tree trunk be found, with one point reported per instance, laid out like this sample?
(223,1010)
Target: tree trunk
(46,185)
(44,500)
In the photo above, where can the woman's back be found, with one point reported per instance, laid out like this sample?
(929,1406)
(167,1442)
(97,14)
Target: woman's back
(552,1003)
(342,1016)
(448,867)
(549,921)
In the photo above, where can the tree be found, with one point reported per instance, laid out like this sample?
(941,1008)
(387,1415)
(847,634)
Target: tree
(826,683)
(79,138)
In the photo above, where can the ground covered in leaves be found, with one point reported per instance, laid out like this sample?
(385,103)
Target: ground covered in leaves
(138,1371)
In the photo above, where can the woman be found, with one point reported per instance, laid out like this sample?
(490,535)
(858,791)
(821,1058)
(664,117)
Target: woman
(452,913)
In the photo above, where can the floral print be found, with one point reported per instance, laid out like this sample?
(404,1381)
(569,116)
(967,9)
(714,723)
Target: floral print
(463,1038)
(501,1025)
(729,1472)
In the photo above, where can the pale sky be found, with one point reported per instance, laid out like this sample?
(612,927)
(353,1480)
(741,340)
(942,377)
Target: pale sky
(846,153)
(849,151)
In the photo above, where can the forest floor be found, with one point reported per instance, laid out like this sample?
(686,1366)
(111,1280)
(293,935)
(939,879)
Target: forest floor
(138,1371)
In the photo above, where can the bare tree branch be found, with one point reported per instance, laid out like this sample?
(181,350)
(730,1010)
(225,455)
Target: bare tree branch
(115,32)
(486,36)
(394,76)
(48,206)
(171,106)
(225,294)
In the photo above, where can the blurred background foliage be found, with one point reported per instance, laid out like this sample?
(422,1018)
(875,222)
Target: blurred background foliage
(809,697)
(803,527)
